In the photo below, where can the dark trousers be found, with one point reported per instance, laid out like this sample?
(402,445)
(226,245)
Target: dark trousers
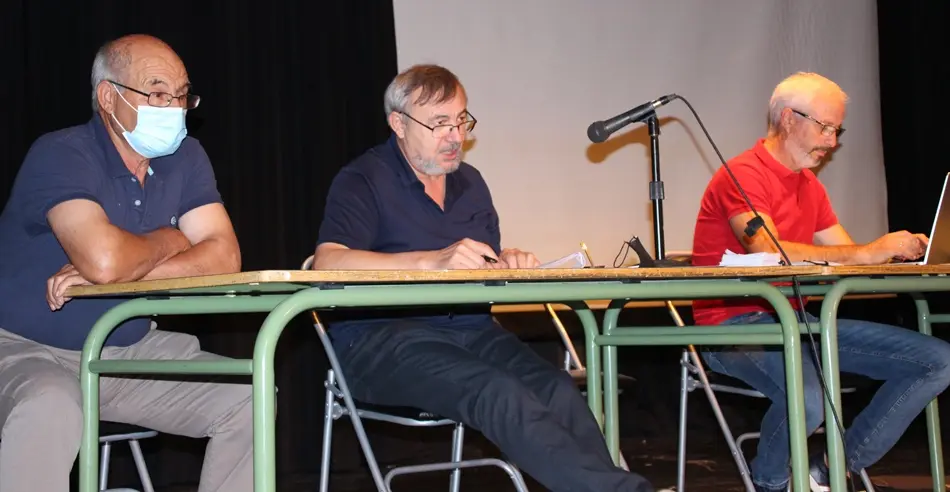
(486,378)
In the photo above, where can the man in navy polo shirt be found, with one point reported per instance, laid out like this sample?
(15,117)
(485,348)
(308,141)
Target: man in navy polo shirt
(411,203)
(123,197)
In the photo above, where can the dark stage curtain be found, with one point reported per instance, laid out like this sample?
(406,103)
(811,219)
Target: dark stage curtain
(913,46)
(291,90)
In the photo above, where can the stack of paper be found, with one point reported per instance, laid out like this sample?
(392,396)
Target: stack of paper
(730,259)
(573,260)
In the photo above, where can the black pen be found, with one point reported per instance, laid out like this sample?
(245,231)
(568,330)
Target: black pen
(489,259)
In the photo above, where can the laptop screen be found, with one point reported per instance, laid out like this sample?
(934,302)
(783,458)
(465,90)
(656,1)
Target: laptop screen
(938,249)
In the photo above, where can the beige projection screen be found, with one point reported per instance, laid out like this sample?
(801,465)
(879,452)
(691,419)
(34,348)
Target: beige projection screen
(538,72)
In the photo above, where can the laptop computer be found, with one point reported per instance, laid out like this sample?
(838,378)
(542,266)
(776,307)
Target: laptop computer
(938,250)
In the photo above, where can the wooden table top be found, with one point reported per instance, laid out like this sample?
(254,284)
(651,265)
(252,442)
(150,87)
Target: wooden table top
(291,280)
(891,269)
(276,281)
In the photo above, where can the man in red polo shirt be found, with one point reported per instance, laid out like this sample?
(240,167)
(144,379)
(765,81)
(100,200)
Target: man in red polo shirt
(805,115)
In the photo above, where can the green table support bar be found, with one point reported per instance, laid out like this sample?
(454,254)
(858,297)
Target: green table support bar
(92,350)
(790,339)
(829,360)
(675,340)
(283,308)
(595,396)
(704,331)
(231,367)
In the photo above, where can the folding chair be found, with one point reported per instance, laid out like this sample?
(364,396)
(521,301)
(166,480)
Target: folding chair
(112,432)
(337,390)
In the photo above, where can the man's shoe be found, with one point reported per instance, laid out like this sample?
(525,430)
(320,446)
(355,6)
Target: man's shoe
(820,479)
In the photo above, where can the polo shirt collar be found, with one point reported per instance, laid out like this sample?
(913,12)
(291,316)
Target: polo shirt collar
(399,162)
(776,167)
(113,162)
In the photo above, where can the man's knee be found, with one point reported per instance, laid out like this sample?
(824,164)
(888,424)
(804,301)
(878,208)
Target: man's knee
(565,389)
(938,363)
(49,412)
(241,414)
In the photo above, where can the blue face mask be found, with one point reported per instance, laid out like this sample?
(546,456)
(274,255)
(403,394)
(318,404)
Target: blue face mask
(158,131)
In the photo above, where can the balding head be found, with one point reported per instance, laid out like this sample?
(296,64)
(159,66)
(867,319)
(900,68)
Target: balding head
(140,76)
(125,59)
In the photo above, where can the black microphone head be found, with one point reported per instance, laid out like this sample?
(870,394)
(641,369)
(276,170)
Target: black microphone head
(596,132)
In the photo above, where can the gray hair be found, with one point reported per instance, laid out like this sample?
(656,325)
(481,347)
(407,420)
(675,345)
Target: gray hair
(438,85)
(111,61)
(797,92)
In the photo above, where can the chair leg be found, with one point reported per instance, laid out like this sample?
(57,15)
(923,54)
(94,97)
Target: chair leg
(868,486)
(328,421)
(458,440)
(104,466)
(739,442)
(726,430)
(681,446)
(139,459)
(350,406)
(713,401)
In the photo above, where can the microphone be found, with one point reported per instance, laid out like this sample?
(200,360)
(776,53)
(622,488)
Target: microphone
(599,131)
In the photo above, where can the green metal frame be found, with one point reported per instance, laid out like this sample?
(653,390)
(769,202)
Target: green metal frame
(786,333)
(283,307)
(914,285)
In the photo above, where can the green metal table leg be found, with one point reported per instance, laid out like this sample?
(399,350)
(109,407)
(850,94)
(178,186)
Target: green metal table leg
(611,382)
(829,314)
(924,319)
(594,379)
(829,361)
(89,383)
(793,362)
(795,390)
(264,394)
(92,350)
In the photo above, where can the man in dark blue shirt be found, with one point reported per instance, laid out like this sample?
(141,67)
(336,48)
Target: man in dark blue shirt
(411,203)
(126,196)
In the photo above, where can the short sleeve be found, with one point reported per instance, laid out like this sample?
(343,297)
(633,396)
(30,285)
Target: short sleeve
(201,187)
(53,173)
(826,213)
(351,217)
(754,183)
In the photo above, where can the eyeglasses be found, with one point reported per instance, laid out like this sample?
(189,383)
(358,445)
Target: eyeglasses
(826,129)
(164,99)
(442,131)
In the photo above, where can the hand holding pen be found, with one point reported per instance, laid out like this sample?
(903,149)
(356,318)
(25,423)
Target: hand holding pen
(466,254)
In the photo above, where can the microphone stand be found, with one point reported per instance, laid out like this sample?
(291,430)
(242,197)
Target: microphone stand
(656,187)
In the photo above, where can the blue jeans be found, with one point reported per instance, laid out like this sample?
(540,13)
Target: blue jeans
(915,368)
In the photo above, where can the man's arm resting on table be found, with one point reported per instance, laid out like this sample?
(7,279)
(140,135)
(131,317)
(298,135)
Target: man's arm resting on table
(335,256)
(104,253)
(835,244)
(214,247)
(463,254)
(834,236)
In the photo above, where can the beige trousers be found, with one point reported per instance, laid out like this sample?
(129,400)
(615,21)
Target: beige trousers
(40,407)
